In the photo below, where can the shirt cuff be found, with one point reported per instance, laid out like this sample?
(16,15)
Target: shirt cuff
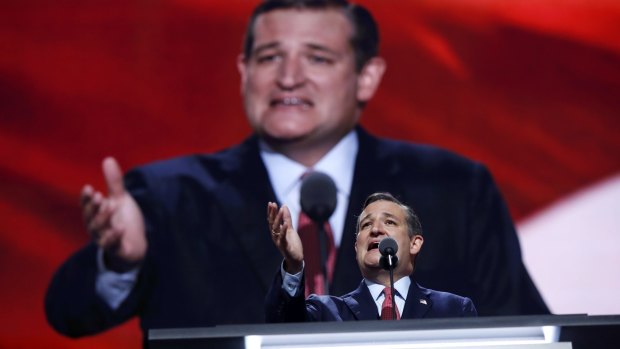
(291,282)
(111,286)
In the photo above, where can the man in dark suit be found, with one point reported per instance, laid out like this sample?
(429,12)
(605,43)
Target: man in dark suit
(177,235)
(383,216)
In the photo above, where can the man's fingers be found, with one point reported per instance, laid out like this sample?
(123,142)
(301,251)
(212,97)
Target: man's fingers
(92,206)
(86,202)
(286,216)
(284,229)
(86,194)
(277,222)
(100,219)
(281,237)
(271,212)
(113,177)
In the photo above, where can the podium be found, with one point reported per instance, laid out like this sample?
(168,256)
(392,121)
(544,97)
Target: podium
(510,332)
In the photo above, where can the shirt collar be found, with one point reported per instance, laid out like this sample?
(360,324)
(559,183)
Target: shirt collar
(338,163)
(401,287)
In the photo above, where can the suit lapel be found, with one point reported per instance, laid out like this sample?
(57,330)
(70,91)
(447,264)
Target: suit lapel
(418,302)
(243,195)
(361,303)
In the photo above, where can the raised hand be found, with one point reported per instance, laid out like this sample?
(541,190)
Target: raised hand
(115,222)
(285,237)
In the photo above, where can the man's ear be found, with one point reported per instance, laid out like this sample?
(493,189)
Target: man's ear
(369,78)
(243,70)
(415,244)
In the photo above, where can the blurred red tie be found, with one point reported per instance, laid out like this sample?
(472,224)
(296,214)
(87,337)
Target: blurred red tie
(387,311)
(309,234)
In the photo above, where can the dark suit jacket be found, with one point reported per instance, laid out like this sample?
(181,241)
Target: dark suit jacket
(208,238)
(359,305)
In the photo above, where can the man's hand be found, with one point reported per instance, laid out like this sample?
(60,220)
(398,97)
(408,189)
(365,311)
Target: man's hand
(285,237)
(115,222)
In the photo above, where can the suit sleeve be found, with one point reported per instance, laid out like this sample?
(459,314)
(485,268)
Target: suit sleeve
(281,307)
(503,283)
(469,310)
(72,304)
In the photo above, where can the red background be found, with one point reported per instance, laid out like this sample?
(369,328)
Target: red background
(529,87)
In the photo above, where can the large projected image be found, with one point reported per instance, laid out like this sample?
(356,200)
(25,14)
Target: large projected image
(531,89)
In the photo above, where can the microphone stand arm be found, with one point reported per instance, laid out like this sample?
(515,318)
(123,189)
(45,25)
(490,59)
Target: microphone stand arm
(392,286)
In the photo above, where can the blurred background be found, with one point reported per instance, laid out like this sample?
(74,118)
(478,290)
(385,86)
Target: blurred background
(529,87)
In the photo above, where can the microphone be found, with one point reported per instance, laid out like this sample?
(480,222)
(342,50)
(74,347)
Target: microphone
(388,261)
(318,198)
(388,248)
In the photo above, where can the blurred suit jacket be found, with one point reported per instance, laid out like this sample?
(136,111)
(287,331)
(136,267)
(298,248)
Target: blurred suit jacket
(208,239)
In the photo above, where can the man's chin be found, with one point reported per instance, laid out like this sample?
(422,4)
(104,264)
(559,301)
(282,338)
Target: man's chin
(291,141)
(372,272)
(373,265)
(282,137)
(278,138)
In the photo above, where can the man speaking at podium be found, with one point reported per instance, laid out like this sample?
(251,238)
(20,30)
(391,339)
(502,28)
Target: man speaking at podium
(383,217)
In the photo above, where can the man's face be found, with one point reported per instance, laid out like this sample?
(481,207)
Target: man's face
(300,84)
(379,220)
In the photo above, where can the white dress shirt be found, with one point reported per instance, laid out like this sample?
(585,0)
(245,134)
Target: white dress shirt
(401,288)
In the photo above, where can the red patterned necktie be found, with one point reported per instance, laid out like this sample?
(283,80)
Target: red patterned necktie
(309,234)
(387,312)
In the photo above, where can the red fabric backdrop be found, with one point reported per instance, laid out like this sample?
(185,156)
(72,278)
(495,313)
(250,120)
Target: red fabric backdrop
(529,87)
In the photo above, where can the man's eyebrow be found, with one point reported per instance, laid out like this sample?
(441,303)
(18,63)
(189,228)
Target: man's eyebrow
(389,215)
(365,217)
(275,44)
(265,46)
(322,48)
(381,214)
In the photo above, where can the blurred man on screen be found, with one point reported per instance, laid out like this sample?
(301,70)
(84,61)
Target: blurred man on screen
(172,237)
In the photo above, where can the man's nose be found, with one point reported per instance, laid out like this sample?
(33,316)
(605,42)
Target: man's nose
(377,230)
(291,73)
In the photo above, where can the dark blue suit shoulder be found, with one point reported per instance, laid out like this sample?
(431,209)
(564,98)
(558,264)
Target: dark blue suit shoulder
(426,156)
(450,304)
(196,165)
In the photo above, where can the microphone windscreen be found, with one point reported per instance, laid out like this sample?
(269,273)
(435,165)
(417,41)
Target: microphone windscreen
(388,246)
(318,196)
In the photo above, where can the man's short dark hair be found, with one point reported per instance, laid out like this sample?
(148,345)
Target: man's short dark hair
(414,227)
(365,38)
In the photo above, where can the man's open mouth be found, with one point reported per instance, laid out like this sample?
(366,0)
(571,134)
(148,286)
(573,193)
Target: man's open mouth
(291,102)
